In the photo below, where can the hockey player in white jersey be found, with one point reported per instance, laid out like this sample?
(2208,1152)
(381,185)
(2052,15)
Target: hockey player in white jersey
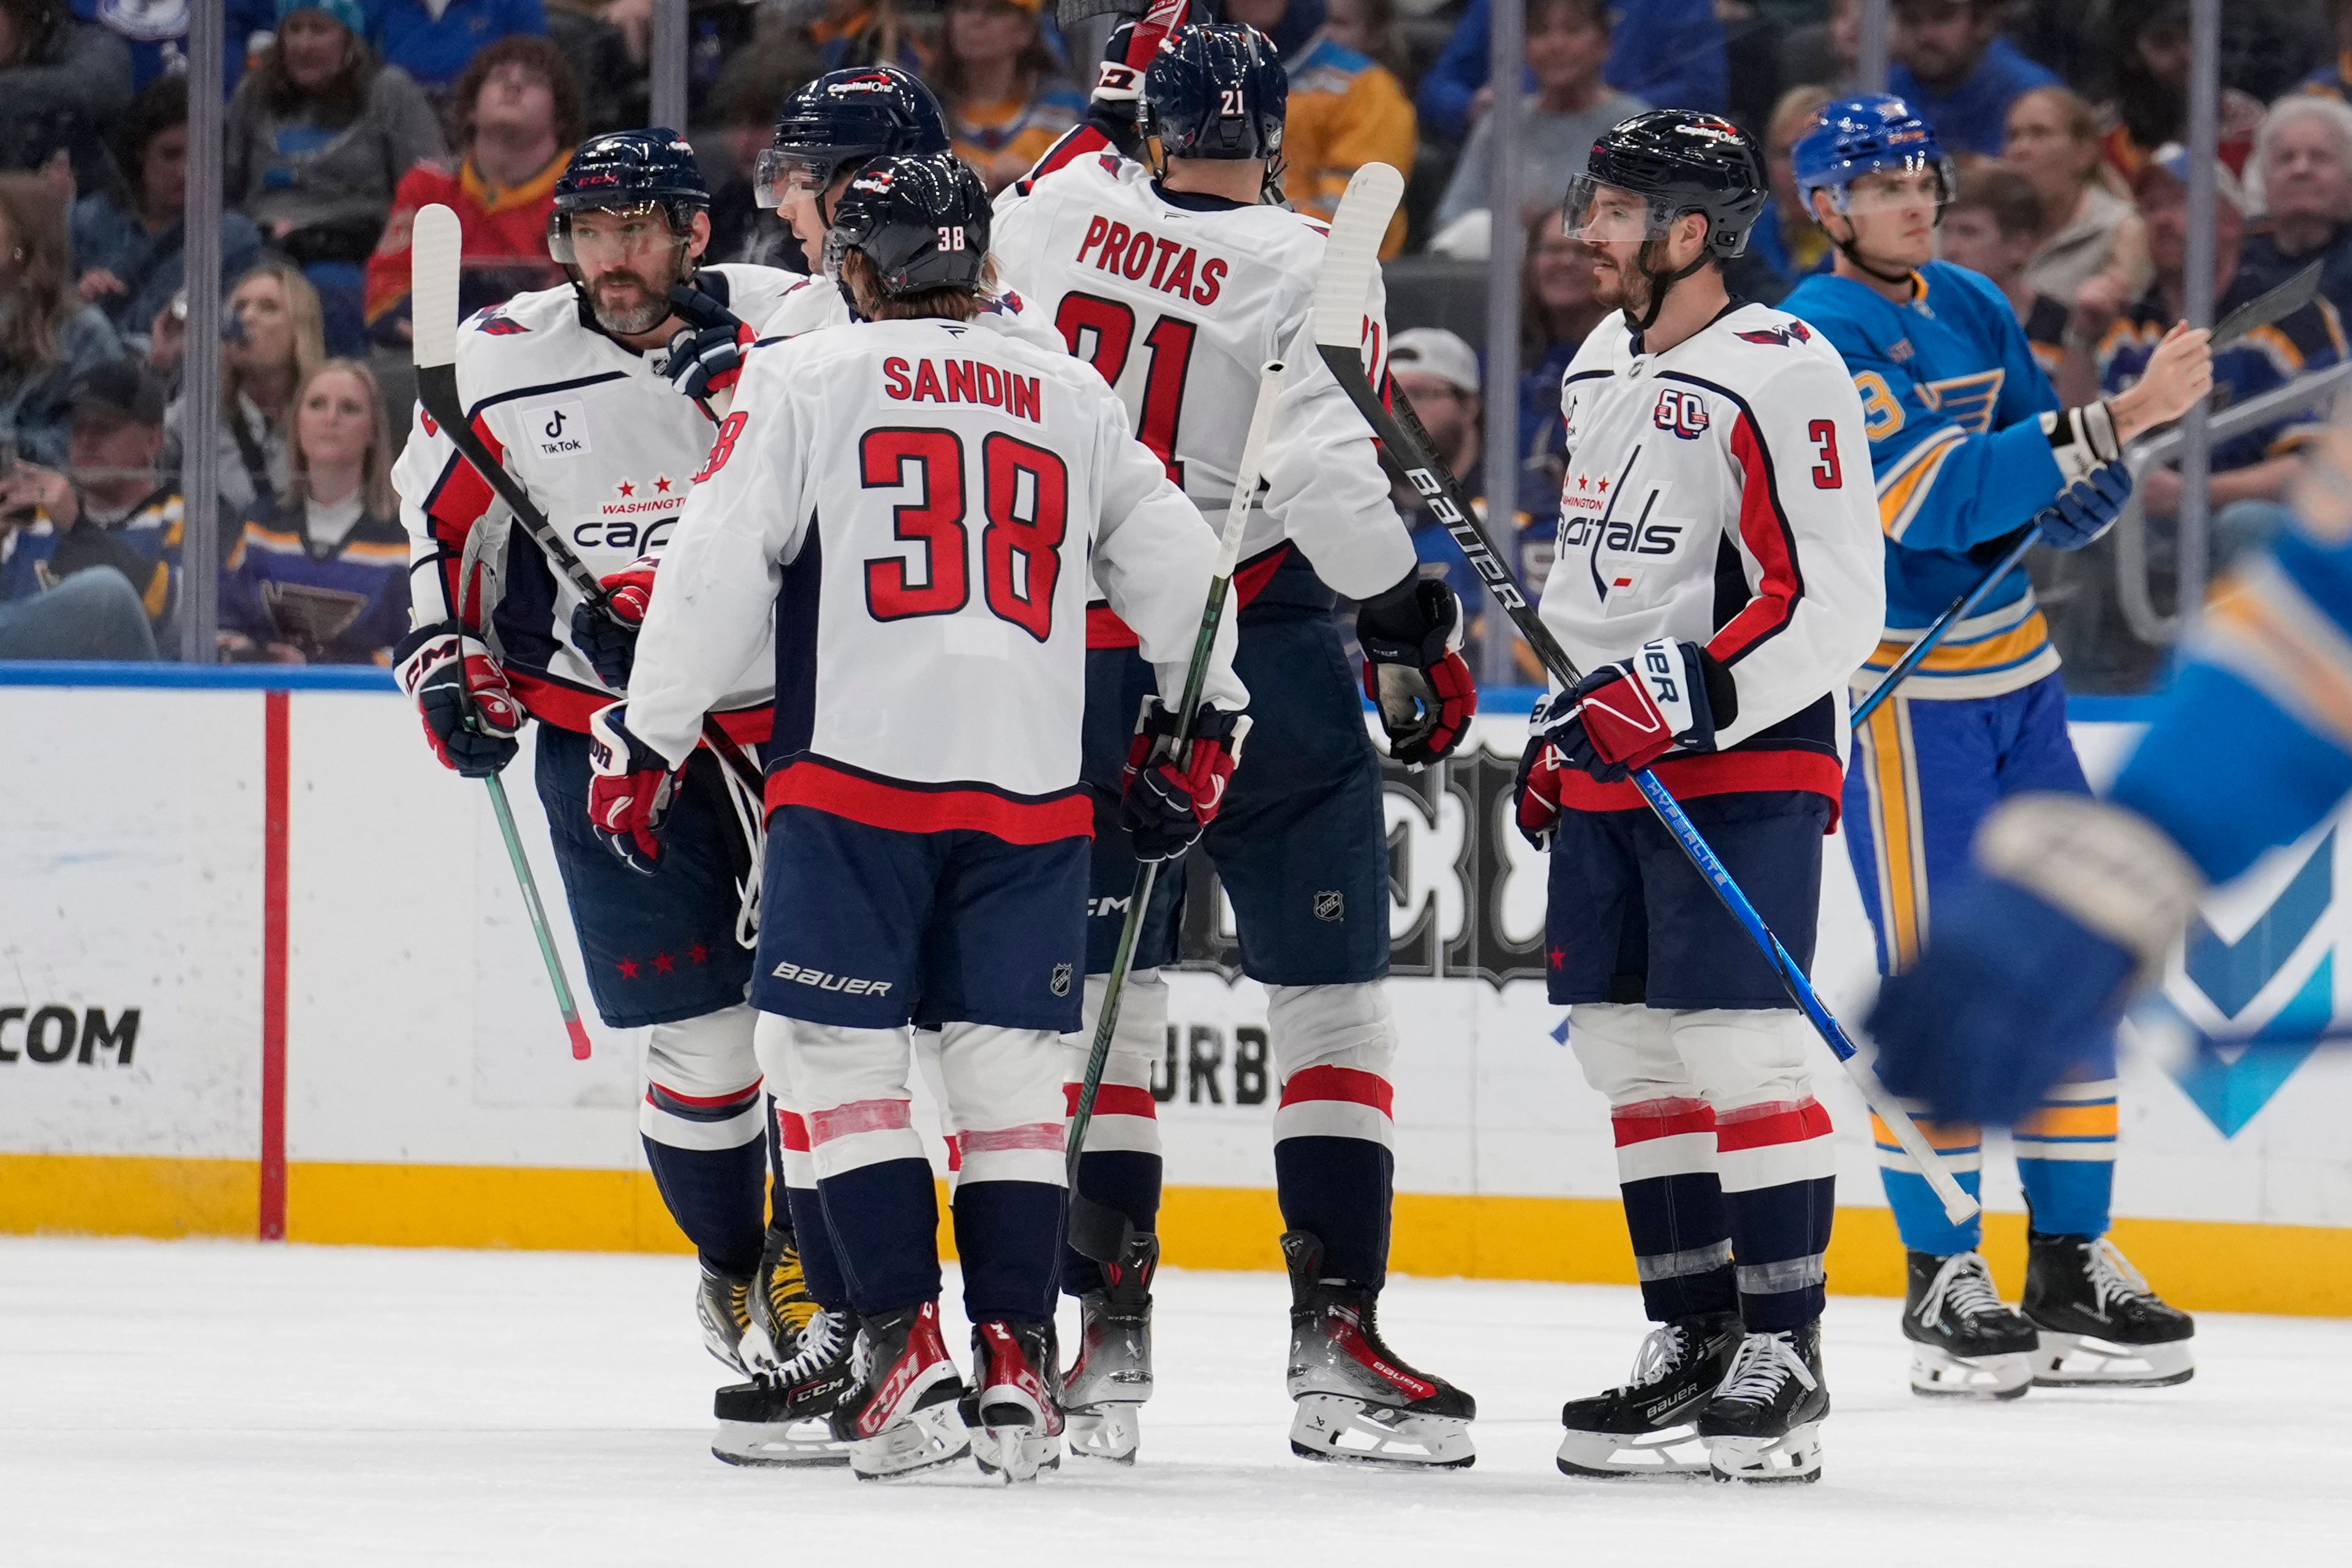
(1719,578)
(913,511)
(1178,283)
(597,399)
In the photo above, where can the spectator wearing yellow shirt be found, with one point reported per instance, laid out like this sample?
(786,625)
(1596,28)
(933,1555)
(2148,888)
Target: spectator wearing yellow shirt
(1347,110)
(1002,87)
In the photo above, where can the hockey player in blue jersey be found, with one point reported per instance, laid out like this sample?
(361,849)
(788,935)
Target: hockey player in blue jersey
(1970,446)
(2071,906)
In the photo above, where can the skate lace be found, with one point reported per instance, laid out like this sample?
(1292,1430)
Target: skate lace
(1764,1362)
(2113,1279)
(1661,1356)
(820,1342)
(1965,1285)
(788,1295)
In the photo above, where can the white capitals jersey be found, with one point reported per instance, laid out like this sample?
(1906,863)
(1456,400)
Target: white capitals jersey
(913,512)
(1720,492)
(820,304)
(605,445)
(1178,300)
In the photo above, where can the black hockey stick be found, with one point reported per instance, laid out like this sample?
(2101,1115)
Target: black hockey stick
(1097,1231)
(1341,290)
(433,289)
(2271,305)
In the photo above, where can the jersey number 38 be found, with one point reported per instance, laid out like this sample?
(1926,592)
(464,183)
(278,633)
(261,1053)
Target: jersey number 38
(1024,504)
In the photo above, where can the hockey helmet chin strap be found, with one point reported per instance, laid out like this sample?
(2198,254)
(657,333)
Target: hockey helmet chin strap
(1847,248)
(1660,280)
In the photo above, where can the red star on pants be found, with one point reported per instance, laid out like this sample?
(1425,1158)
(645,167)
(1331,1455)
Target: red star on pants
(628,968)
(1559,955)
(661,485)
(698,954)
(664,965)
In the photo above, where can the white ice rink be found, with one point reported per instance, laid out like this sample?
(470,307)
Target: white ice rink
(197,1403)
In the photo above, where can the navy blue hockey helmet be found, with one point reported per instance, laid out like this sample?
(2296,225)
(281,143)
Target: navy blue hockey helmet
(920,219)
(842,121)
(623,171)
(1216,90)
(1682,162)
(1867,135)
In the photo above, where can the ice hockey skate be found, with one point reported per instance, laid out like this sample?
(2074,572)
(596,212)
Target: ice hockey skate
(1637,1429)
(779,1417)
(722,1305)
(1013,1411)
(781,1307)
(1357,1400)
(1104,1389)
(900,1417)
(1765,1423)
(1965,1340)
(2100,1324)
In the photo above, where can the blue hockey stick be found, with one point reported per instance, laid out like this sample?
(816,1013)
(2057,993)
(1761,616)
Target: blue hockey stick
(1957,611)
(1339,294)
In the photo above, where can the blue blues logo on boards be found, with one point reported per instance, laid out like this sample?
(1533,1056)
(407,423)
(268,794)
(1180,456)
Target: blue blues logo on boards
(2247,984)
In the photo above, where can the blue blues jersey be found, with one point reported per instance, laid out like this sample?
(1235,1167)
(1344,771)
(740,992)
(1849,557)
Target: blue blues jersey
(344,604)
(1951,399)
(2264,359)
(143,546)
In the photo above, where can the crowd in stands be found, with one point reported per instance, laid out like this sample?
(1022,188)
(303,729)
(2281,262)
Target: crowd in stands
(343,118)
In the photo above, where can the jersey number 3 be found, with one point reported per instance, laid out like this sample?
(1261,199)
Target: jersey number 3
(1112,326)
(1024,497)
(1827,474)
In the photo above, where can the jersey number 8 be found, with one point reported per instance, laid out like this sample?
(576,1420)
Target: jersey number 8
(1024,497)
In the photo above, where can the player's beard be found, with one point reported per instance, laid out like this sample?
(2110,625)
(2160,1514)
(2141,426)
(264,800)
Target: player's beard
(1620,285)
(643,316)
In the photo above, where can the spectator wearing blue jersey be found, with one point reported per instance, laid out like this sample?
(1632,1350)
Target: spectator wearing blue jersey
(1661,51)
(156,33)
(319,571)
(435,43)
(1952,64)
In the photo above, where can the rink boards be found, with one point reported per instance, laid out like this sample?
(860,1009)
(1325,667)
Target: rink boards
(264,971)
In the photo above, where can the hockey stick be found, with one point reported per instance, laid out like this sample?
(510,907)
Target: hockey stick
(434,257)
(433,285)
(1096,1230)
(1341,290)
(2271,305)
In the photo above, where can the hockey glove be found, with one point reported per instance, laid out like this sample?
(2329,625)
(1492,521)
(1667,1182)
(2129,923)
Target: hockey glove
(609,641)
(1166,804)
(1414,670)
(630,788)
(2087,508)
(2071,907)
(1670,696)
(1535,792)
(471,715)
(707,355)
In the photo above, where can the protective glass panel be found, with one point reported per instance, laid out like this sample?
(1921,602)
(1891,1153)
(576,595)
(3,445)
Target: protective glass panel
(780,170)
(1601,212)
(1898,185)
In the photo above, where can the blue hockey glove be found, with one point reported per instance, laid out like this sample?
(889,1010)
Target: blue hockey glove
(1669,697)
(2087,508)
(630,789)
(707,355)
(2070,909)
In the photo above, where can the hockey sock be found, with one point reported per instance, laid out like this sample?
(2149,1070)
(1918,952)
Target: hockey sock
(780,1213)
(1775,1164)
(1919,1213)
(1682,1244)
(1338,1190)
(1119,1179)
(1009,1236)
(820,1259)
(718,1199)
(885,1220)
(2066,1158)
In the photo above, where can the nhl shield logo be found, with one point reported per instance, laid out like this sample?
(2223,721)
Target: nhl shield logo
(1060,983)
(1330,906)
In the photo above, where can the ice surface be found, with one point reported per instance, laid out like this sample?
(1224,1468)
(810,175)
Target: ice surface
(196,1404)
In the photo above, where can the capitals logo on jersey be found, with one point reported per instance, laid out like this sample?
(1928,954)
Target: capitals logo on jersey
(1780,336)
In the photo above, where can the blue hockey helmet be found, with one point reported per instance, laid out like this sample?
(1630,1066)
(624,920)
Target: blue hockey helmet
(921,219)
(842,121)
(1216,90)
(624,171)
(1873,133)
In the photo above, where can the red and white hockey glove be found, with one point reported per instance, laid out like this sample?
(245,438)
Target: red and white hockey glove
(706,357)
(1414,670)
(471,715)
(1669,697)
(1535,792)
(1118,81)
(630,788)
(609,641)
(1165,805)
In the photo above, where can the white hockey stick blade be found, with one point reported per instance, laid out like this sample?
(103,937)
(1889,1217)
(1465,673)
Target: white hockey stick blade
(1345,279)
(1237,510)
(436,249)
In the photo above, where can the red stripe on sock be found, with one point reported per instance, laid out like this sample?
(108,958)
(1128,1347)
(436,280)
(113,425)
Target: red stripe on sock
(1648,1118)
(1351,1084)
(1003,1140)
(1777,1121)
(1113,1100)
(860,1116)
